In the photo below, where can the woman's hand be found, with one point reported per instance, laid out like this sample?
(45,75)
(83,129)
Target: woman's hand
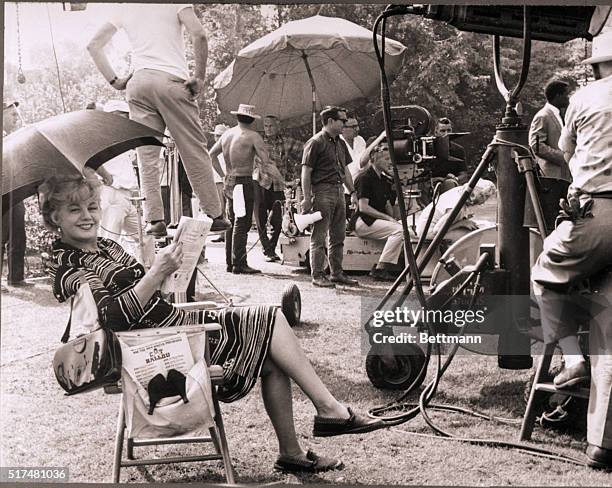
(167,260)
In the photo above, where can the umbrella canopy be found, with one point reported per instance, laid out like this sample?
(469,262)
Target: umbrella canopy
(282,72)
(65,144)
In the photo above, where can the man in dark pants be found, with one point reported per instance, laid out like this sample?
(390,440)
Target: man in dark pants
(13,218)
(323,173)
(239,146)
(286,154)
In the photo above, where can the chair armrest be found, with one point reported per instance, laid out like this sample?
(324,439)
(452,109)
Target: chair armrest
(205,305)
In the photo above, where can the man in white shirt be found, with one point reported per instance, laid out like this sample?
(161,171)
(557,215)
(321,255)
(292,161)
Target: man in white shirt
(579,248)
(355,143)
(217,133)
(546,128)
(162,94)
(120,219)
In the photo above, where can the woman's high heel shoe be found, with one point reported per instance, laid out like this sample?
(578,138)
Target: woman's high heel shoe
(157,389)
(178,380)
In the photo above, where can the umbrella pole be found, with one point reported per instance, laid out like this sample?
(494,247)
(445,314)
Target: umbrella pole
(314,93)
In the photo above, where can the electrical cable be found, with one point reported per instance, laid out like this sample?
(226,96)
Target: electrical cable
(431,388)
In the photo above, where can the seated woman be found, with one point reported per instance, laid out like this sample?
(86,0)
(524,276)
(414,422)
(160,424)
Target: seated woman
(254,341)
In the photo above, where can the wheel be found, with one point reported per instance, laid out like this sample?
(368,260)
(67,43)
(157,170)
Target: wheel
(291,304)
(392,371)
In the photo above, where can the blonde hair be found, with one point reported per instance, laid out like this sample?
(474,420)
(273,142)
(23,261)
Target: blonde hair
(56,191)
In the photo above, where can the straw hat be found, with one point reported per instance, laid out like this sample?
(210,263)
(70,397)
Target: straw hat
(248,110)
(602,49)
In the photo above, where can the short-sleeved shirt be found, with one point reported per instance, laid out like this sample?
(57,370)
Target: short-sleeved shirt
(377,189)
(156,35)
(588,134)
(328,158)
(442,167)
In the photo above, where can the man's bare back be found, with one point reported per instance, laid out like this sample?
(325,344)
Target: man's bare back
(239,146)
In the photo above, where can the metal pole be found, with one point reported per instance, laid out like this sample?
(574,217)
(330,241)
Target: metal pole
(176,209)
(314,93)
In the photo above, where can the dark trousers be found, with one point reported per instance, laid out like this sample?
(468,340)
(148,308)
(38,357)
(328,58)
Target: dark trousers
(268,202)
(14,238)
(236,235)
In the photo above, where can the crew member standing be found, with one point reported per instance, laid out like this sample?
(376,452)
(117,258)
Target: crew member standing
(239,146)
(217,133)
(580,247)
(162,94)
(119,220)
(323,173)
(13,218)
(286,154)
(546,128)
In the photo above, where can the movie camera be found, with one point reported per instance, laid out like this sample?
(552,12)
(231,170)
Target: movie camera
(413,138)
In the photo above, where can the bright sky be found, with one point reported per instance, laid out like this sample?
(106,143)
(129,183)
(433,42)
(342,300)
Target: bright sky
(78,26)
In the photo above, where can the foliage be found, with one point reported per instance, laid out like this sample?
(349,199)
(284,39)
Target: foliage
(447,71)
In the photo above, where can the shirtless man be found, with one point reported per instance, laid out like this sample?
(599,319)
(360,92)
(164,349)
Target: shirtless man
(239,146)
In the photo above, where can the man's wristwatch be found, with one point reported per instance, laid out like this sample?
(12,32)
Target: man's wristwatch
(112,82)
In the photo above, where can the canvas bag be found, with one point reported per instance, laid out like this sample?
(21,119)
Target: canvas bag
(171,416)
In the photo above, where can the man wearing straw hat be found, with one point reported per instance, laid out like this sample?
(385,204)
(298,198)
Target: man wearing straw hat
(579,248)
(239,146)
(13,218)
(162,94)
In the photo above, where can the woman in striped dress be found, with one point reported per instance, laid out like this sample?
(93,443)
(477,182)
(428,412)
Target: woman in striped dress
(254,341)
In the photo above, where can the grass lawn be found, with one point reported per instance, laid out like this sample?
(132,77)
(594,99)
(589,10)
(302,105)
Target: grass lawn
(42,427)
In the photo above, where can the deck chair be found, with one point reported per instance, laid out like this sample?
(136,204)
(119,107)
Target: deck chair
(199,341)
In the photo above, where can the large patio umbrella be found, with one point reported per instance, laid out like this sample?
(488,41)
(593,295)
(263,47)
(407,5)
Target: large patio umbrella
(65,144)
(305,65)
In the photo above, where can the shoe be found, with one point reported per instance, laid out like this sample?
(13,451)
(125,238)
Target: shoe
(355,424)
(220,224)
(220,238)
(272,257)
(313,464)
(156,229)
(322,282)
(568,377)
(599,457)
(381,275)
(178,381)
(157,390)
(229,268)
(246,269)
(344,280)
(19,284)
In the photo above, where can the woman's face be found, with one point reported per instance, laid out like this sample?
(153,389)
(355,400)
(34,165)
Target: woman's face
(79,221)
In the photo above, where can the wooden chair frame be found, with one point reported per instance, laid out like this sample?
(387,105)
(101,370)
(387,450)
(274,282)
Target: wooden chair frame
(216,433)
